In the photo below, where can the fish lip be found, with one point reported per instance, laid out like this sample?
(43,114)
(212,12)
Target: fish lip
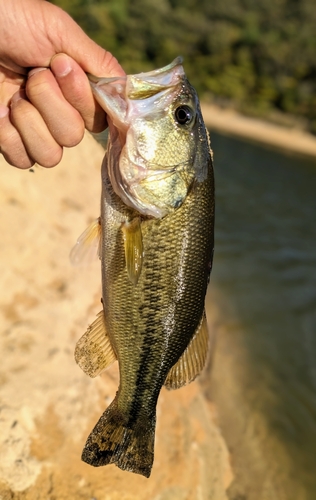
(144,85)
(178,61)
(95,80)
(134,87)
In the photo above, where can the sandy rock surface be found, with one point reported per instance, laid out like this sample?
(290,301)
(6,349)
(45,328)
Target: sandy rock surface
(48,405)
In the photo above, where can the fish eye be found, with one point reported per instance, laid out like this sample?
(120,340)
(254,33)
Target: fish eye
(183,115)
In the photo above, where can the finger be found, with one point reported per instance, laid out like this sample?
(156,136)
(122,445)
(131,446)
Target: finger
(75,86)
(11,144)
(38,141)
(10,83)
(63,121)
(68,38)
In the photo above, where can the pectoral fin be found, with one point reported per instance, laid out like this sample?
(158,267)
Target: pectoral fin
(192,361)
(94,352)
(133,244)
(87,247)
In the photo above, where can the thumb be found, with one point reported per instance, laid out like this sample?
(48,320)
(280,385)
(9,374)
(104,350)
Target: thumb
(67,37)
(91,57)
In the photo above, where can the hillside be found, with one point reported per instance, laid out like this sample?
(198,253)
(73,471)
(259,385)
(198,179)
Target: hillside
(257,57)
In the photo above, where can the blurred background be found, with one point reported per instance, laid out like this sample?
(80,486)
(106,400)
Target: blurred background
(263,293)
(256,57)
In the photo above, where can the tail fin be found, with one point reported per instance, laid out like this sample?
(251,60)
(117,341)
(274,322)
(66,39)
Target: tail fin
(124,441)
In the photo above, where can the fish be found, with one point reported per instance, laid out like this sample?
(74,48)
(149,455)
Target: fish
(156,241)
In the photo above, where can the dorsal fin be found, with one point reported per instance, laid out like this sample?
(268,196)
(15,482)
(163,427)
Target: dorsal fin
(133,245)
(94,352)
(192,361)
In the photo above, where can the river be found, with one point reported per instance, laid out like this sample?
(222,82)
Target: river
(262,305)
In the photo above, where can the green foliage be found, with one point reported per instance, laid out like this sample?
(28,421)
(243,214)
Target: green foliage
(258,55)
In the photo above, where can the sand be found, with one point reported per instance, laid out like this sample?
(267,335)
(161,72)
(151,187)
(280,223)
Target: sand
(48,405)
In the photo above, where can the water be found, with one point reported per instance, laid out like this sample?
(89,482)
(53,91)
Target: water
(263,290)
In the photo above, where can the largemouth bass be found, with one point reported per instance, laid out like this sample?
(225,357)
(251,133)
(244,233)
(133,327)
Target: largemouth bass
(157,225)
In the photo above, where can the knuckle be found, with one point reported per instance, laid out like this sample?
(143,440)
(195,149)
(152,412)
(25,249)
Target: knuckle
(111,64)
(72,136)
(18,158)
(23,163)
(51,158)
(21,112)
(38,85)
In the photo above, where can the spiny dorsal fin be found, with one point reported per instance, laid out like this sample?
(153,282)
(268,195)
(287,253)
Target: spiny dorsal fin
(192,361)
(133,244)
(94,352)
(88,244)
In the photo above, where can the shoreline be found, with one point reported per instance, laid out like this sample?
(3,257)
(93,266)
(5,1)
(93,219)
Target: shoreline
(229,122)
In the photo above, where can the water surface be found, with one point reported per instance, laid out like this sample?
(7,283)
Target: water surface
(263,288)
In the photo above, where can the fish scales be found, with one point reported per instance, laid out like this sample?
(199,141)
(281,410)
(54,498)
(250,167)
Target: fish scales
(152,320)
(162,311)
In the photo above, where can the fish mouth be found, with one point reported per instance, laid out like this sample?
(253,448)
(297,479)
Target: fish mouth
(113,94)
(142,85)
(125,100)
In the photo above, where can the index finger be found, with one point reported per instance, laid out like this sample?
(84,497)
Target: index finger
(76,89)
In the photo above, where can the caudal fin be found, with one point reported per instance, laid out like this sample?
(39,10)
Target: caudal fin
(126,442)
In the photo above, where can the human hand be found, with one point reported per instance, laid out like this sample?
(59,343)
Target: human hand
(46,108)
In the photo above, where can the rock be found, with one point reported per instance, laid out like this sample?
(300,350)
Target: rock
(48,405)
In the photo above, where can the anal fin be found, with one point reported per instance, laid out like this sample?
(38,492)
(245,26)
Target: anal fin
(94,352)
(192,361)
